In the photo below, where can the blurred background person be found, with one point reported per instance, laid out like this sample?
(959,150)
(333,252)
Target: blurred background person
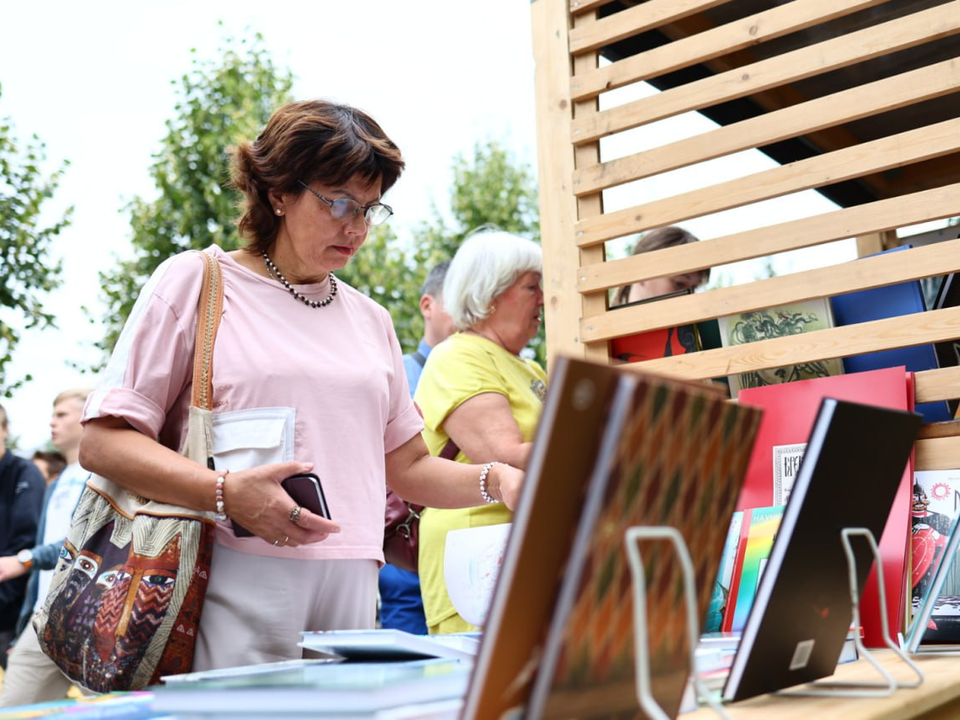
(21,498)
(401,606)
(664,237)
(31,676)
(50,462)
(479,397)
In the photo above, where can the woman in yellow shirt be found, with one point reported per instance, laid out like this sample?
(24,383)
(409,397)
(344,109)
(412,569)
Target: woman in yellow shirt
(479,397)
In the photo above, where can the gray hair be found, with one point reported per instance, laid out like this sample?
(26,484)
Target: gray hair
(487,263)
(433,285)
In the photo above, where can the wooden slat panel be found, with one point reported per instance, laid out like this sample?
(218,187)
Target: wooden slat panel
(937,454)
(587,205)
(874,217)
(921,27)
(709,44)
(860,274)
(632,21)
(578,7)
(904,331)
(882,154)
(859,102)
(942,384)
(562,308)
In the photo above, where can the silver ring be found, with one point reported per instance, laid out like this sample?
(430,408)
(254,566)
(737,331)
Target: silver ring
(276,543)
(285,539)
(295,515)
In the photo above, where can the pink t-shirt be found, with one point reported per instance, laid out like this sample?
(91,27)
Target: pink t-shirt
(290,382)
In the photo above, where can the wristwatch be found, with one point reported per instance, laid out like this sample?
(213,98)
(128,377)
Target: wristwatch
(26,558)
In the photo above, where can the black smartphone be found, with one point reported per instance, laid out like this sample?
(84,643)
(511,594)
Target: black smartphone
(306,491)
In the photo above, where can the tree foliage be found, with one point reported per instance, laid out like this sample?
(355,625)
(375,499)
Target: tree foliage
(28,270)
(489,189)
(220,103)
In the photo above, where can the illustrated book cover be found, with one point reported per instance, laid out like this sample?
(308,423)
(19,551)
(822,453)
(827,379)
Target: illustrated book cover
(757,532)
(803,608)
(789,413)
(884,302)
(672,455)
(664,342)
(721,588)
(935,576)
(781,321)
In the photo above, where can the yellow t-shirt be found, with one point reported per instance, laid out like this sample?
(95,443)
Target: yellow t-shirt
(461,367)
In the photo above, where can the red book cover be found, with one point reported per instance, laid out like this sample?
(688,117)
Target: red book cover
(789,413)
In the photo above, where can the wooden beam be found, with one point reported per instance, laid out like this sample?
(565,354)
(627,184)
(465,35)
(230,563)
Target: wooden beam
(875,217)
(919,28)
(882,154)
(712,43)
(798,120)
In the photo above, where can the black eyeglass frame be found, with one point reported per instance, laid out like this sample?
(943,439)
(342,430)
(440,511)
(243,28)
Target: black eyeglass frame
(365,208)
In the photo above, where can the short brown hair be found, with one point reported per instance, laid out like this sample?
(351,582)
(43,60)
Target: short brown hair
(311,140)
(664,237)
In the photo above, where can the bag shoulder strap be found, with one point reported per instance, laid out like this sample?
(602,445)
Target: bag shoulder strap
(418,356)
(209,310)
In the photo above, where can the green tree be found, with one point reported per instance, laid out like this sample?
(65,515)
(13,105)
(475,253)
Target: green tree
(489,188)
(220,102)
(27,268)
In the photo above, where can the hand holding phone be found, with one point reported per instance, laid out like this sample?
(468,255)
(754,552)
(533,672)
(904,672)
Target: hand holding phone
(305,490)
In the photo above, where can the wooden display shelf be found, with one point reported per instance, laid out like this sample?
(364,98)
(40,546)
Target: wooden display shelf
(938,698)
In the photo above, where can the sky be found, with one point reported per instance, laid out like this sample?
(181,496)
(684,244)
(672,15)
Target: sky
(95,82)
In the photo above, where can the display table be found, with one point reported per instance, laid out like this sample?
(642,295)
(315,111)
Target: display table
(938,698)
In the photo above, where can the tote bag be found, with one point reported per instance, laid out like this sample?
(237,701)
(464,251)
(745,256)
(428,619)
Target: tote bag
(126,596)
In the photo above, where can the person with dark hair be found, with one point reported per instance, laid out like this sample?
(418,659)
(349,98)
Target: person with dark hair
(307,377)
(50,462)
(21,500)
(664,237)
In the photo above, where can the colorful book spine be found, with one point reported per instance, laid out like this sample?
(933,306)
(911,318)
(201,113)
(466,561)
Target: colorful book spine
(757,533)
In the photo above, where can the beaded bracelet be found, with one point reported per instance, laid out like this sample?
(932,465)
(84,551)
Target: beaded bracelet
(483,481)
(221,479)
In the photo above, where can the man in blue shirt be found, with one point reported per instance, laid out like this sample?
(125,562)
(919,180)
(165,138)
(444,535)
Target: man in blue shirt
(401,606)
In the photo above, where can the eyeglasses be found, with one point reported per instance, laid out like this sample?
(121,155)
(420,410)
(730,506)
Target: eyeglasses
(347,209)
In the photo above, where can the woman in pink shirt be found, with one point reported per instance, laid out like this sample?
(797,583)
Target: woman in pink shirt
(308,376)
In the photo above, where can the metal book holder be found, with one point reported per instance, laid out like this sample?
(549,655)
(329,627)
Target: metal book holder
(642,650)
(865,688)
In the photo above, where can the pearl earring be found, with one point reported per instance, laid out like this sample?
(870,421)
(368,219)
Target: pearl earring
(279,211)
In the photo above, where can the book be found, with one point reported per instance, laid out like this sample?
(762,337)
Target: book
(386,644)
(948,351)
(758,530)
(789,413)
(721,588)
(884,302)
(321,689)
(136,705)
(663,342)
(803,607)
(562,457)
(935,577)
(780,321)
(671,455)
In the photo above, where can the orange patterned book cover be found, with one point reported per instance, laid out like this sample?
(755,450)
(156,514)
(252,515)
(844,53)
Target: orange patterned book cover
(671,455)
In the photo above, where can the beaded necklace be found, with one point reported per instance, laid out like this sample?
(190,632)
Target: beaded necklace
(276,274)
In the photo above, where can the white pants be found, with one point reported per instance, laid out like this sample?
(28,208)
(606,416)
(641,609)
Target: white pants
(31,676)
(256,607)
